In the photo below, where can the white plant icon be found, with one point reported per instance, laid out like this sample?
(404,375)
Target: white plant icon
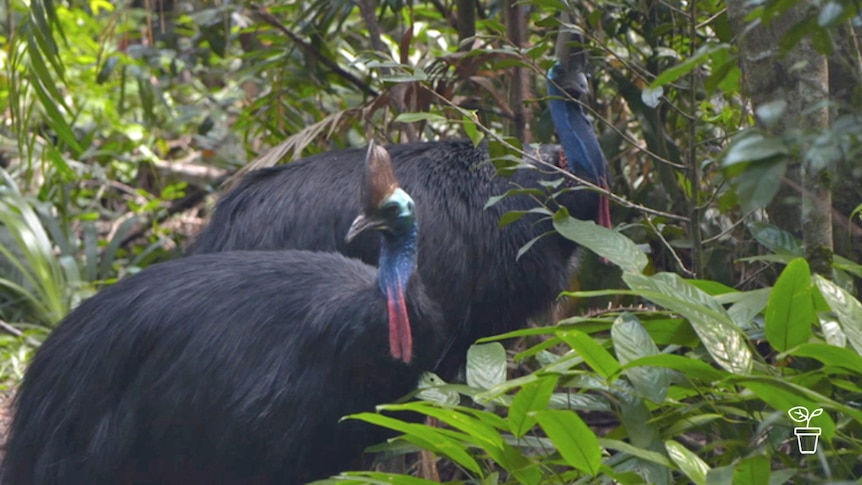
(806,436)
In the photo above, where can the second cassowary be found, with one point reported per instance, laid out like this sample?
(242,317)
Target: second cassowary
(467,261)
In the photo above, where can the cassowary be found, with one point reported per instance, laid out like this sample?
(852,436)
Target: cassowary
(231,368)
(467,261)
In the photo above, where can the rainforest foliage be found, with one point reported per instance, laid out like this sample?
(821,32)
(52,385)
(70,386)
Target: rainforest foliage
(726,311)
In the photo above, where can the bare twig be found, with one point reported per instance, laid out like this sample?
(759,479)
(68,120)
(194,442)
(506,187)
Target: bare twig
(669,248)
(694,214)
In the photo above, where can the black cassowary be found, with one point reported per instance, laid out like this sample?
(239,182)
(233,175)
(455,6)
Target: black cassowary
(466,260)
(231,368)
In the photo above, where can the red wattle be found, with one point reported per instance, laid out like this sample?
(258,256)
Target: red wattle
(400,334)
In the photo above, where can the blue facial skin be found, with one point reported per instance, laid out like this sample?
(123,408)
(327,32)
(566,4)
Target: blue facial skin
(398,252)
(583,153)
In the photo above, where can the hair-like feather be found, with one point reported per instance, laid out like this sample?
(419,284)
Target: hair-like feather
(231,368)
(469,263)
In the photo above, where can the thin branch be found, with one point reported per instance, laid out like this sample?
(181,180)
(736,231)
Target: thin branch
(694,170)
(670,248)
(329,63)
(726,231)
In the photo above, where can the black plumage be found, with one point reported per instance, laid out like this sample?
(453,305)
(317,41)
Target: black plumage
(228,368)
(466,260)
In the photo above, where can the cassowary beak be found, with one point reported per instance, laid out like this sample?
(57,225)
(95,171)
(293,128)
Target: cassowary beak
(361,224)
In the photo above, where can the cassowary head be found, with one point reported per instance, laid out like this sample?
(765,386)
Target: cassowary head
(387,208)
(583,154)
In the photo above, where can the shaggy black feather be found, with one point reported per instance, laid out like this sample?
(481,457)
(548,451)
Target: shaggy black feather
(467,262)
(229,368)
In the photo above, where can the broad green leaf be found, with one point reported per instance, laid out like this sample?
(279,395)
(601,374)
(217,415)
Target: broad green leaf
(433,389)
(641,453)
(605,242)
(534,396)
(672,331)
(748,306)
(783,396)
(579,402)
(427,438)
(775,239)
(593,354)
(756,187)
(631,341)
(690,464)
(790,312)
(847,307)
(486,365)
(575,441)
(830,355)
(716,330)
(480,433)
(683,68)
(753,470)
(753,147)
(833,334)
(694,369)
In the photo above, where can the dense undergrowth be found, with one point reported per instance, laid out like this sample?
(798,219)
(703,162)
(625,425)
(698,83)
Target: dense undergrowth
(678,361)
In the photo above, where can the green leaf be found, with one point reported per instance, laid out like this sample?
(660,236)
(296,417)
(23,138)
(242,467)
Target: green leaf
(753,470)
(427,438)
(847,307)
(689,463)
(756,187)
(683,68)
(692,368)
(782,396)
(830,355)
(748,305)
(433,389)
(672,331)
(605,242)
(478,432)
(486,365)
(533,396)
(651,456)
(631,341)
(575,441)
(775,239)
(593,354)
(753,146)
(716,330)
(790,312)
(413,117)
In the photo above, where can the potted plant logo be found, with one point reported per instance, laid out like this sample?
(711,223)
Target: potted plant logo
(806,437)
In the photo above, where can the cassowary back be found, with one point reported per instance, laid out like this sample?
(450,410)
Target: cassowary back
(221,368)
(466,260)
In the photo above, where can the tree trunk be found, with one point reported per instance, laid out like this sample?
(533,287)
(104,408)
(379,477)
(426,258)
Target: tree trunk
(801,80)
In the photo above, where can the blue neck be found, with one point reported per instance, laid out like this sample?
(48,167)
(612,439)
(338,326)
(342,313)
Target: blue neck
(397,261)
(583,153)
